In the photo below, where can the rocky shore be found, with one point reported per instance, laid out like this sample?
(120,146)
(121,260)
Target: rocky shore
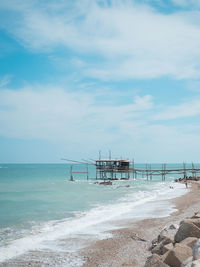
(177,246)
(152,242)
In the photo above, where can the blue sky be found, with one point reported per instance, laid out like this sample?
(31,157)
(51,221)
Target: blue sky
(78,76)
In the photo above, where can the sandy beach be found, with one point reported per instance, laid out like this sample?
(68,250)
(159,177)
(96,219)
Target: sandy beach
(130,246)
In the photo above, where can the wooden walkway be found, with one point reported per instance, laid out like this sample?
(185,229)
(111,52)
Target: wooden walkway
(112,172)
(149,172)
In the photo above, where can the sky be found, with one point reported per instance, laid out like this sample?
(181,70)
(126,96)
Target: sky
(80,76)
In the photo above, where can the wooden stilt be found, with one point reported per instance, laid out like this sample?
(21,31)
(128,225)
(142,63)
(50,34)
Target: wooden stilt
(71,176)
(184,170)
(147,172)
(87,173)
(150,172)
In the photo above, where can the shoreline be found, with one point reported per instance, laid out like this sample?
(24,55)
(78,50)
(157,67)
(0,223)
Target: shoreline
(126,245)
(129,246)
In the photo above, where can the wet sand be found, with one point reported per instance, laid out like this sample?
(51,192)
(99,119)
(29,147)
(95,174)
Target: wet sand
(130,246)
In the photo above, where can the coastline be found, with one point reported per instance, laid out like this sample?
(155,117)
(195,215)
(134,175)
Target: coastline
(129,246)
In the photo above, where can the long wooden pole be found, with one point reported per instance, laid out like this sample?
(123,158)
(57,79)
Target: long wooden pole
(71,176)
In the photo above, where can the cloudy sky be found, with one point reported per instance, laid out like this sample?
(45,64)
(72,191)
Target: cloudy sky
(80,76)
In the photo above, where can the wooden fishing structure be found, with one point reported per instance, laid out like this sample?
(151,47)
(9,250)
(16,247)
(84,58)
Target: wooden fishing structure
(73,172)
(124,169)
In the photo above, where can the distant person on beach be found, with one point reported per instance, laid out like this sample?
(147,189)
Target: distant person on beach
(186,185)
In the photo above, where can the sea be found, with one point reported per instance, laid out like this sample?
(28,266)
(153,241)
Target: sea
(45,217)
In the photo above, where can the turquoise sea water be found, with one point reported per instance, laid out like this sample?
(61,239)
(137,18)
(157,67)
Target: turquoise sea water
(39,203)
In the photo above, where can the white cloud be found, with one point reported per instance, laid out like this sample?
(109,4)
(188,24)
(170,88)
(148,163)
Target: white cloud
(187,3)
(78,122)
(5,80)
(133,40)
(184,110)
(56,114)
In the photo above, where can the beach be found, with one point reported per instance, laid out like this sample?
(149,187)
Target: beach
(130,246)
(48,221)
(99,131)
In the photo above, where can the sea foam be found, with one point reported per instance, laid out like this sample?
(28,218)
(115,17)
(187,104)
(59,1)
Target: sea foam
(94,223)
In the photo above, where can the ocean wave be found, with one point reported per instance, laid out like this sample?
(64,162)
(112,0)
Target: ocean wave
(135,204)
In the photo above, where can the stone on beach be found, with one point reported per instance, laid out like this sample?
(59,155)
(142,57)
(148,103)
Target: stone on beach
(168,232)
(189,241)
(187,229)
(159,248)
(173,227)
(196,263)
(195,221)
(196,251)
(192,264)
(167,247)
(163,234)
(184,248)
(196,215)
(106,183)
(155,261)
(177,255)
(187,262)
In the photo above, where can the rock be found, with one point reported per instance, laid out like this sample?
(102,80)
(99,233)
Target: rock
(189,241)
(195,221)
(196,263)
(196,250)
(155,261)
(187,262)
(163,234)
(177,255)
(106,183)
(196,215)
(173,227)
(166,248)
(154,243)
(167,240)
(159,248)
(187,229)
(166,234)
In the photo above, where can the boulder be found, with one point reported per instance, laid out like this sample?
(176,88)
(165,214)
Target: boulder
(187,262)
(189,241)
(155,261)
(163,234)
(196,250)
(158,249)
(188,265)
(166,233)
(167,240)
(196,263)
(106,183)
(154,243)
(177,255)
(187,229)
(173,227)
(167,247)
(195,221)
(196,215)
